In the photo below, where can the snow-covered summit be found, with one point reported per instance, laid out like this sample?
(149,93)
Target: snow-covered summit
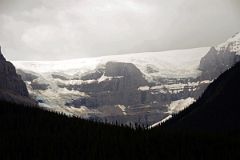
(175,63)
(231,45)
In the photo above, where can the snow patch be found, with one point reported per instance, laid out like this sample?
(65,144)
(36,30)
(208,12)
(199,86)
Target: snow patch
(232,44)
(164,62)
(143,88)
(206,82)
(175,88)
(174,108)
(123,108)
(179,105)
(104,78)
(159,123)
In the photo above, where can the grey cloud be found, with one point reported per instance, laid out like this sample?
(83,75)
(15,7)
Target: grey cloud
(60,29)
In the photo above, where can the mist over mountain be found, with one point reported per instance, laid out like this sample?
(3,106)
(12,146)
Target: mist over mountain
(60,30)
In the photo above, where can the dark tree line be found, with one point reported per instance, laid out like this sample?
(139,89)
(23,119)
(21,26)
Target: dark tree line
(31,133)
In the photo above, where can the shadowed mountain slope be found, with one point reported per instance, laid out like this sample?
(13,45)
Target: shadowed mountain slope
(217,109)
(12,87)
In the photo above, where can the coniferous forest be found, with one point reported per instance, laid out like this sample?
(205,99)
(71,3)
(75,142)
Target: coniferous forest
(31,133)
(208,129)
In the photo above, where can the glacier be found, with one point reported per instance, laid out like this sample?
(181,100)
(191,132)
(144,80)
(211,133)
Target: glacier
(176,64)
(144,88)
(170,64)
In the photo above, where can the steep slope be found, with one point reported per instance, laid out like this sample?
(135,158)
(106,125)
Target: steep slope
(217,109)
(9,80)
(12,87)
(220,58)
(116,79)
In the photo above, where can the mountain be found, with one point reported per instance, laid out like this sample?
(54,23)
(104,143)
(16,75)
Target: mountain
(208,129)
(134,88)
(217,109)
(12,87)
(220,58)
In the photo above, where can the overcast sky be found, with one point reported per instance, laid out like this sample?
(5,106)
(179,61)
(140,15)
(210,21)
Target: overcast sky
(64,29)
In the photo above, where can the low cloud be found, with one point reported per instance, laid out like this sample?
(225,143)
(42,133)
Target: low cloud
(59,29)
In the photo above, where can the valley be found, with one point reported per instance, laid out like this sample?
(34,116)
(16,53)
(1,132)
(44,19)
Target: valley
(141,88)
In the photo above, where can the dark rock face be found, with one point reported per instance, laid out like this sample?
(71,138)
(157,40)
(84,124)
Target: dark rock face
(216,62)
(12,87)
(39,86)
(27,76)
(33,79)
(132,77)
(92,76)
(9,80)
(56,76)
(110,98)
(120,88)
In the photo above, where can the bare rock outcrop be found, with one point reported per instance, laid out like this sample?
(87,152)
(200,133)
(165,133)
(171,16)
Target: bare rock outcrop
(12,87)
(216,62)
(120,86)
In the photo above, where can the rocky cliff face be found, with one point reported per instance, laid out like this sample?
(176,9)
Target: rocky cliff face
(216,62)
(220,58)
(117,83)
(11,84)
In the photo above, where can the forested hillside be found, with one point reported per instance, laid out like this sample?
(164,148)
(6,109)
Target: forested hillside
(31,133)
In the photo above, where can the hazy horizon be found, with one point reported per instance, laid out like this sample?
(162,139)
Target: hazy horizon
(59,30)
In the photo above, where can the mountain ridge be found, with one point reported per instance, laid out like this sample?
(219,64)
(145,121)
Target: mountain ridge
(217,109)
(12,87)
(170,81)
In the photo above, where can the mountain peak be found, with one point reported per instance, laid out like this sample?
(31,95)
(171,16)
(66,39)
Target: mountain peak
(236,35)
(11,84)
(231,45)
(213,50)
(1,55)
